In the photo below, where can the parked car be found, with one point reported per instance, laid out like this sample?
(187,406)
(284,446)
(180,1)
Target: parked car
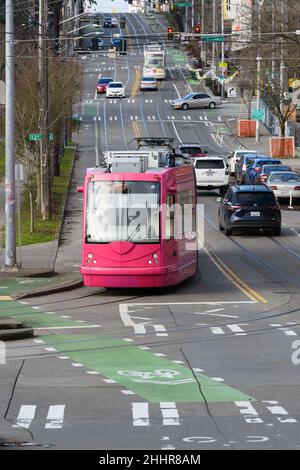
(266,170)
(197,100)
(191,150)
(148,83)
(211,173)
(102,84)
(249,207)
(284,183)
(254,169)
(115,90)
(235,156)
(245,160)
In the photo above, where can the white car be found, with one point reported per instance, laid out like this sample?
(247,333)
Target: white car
(211,173)
(148,83)
(234,157)
(114,22)
(115,90)
(284,184)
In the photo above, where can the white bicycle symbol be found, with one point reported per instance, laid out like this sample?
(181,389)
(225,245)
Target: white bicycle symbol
(166,374)
(156,377)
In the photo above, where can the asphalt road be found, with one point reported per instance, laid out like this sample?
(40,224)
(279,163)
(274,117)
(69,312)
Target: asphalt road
(206,365)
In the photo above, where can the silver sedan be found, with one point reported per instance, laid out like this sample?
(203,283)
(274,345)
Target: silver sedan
(197,100)
(284,184)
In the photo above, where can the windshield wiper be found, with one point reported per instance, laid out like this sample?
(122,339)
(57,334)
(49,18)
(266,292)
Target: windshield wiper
(137,228)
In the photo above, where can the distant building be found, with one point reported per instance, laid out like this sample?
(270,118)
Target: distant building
(239,14)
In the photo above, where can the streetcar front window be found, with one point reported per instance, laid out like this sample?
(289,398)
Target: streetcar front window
(123,211)
(154,61)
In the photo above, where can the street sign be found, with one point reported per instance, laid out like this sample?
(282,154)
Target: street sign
(258,114)
(183,5)
(223,65)
(213,38)
(231,92)
(33,137)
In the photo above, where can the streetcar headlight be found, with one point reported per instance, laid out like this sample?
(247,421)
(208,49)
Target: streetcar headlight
(90,255)
(150,261)
(155,256)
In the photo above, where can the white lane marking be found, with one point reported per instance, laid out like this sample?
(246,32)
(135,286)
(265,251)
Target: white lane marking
(76,364)
(140,414)
(170,414)
(55,417)
(38,341)
(92,372)
(129,340)
(115,118)
(184,117)
(127,392)
(237,328)
(159,354)
(109,381)
(25,417)
(63,357)
(154,118)
(275,409)
(36,308)
(176,89)
(196,369)
(50,349)
(242,302)
(178,362)
(175,130)
(248,411)
(67,327)
(286,331)
(218,379)
(216,330)
(65,316)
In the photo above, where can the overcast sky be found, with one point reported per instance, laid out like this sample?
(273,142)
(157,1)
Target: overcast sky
(107,6)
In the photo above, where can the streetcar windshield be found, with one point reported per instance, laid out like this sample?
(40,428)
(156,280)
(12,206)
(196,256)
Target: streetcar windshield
(122,211)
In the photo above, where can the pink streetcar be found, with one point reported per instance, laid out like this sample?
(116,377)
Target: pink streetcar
(139,221)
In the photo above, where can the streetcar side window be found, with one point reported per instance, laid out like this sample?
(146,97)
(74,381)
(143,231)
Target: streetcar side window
(170,217)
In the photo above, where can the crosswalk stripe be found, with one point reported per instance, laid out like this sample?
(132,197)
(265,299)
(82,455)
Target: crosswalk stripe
(170,414)
(25,416)
(55,417)
(140,414)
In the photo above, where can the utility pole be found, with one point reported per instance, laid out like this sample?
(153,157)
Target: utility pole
(10,202)
(193,14)
(282,86)
(213,57)
(222,49)
(258,60)
(44,108)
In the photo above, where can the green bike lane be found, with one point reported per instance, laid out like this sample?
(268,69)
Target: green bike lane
(156,379)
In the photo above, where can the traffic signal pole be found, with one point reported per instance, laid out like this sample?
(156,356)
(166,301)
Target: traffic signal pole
(10,202)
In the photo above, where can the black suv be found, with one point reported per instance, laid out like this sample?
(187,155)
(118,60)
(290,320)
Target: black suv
(249,207)
(191,150)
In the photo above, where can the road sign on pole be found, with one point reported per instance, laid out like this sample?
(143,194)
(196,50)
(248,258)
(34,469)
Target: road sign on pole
(33,137)
(258,114)
(213,38)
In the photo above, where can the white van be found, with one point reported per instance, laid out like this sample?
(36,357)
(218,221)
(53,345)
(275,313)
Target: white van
(211,173)
(234,157)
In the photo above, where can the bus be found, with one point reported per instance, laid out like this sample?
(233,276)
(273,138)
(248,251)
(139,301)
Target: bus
(139,222)
(154,61)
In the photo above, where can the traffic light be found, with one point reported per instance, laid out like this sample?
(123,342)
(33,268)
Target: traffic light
(170,31)
(197,28)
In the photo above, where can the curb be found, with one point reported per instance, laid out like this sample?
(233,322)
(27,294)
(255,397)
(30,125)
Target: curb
(48,290)
(7,323)
(17,334)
